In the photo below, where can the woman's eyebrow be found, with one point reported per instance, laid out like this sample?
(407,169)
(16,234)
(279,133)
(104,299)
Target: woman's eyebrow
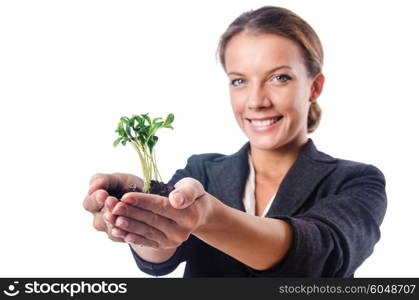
(270,71)
(278,68)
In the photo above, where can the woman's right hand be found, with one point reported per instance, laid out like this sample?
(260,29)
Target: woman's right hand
(102,186)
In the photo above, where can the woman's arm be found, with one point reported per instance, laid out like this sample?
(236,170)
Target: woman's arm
(147,253)
(153,255)
(258,242)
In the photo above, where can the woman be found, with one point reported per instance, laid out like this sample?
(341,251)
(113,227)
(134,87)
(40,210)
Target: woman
(278,207)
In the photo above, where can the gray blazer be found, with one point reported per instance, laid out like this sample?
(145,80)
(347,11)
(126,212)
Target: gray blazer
(334,206)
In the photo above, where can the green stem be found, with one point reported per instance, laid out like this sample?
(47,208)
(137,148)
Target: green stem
(156,171)
(144,166)
(147,168)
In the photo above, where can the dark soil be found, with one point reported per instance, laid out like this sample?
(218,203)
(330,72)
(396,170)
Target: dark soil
(157,188)
(160,188)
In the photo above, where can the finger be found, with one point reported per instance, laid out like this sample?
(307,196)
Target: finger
(114,234)
(94,202)
(187,190)
(96,176)
(118,233)
(154,203)
(115,183)
(115,239)
(109,217)
(139,240)
(142,229)
(108,182)
(98,222)
(167,226)
(98,181)
(110,202)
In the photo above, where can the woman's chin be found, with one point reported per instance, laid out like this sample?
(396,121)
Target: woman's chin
(264,143)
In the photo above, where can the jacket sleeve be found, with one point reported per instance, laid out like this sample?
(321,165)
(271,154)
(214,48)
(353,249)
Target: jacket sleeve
(159,269)
(164,268)
(337,233)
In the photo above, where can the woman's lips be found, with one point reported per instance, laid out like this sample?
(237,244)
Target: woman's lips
(264,124)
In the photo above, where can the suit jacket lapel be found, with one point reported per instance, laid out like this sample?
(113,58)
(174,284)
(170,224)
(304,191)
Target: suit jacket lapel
(228,175)
(302,178)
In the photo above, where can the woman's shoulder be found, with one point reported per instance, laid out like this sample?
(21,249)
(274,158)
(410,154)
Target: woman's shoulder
(309,158)
(310,152)
(202,157)
(346,170)
(196,166)
(342,165)
(356,167)
(219,158)
(199,161)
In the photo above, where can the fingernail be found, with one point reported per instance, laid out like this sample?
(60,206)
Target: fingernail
(179,199)
(100,199)
(117,233)
(122,223)
(110,202)
(122,208)
(92,187)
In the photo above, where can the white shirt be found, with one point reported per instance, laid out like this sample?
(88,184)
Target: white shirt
(249,192)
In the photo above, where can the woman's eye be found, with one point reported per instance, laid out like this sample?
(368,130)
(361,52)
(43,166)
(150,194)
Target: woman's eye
(237,82)
(282,78)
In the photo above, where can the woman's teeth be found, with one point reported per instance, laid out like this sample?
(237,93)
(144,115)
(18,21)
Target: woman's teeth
(265,122)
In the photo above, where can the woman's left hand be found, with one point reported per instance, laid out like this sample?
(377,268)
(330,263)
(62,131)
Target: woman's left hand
(160,222)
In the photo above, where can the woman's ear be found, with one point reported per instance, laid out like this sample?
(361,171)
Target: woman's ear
(316,86)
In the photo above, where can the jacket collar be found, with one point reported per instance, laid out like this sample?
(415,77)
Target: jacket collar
(228,176)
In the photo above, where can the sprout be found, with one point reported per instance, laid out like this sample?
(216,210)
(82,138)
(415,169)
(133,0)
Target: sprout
(139,131)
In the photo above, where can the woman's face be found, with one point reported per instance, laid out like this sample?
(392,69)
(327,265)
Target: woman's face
(270,89)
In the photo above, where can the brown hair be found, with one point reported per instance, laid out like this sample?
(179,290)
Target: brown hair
(284,23)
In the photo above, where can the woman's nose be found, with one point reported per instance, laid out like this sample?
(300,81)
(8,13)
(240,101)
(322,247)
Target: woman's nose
(257,98)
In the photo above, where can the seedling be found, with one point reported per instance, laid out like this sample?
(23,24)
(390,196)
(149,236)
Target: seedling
(139,131)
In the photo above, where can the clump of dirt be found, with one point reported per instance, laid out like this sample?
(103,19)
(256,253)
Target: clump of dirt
(160,188)
(156,187)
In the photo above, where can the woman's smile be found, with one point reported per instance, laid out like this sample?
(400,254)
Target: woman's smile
(270,89)
(264,124)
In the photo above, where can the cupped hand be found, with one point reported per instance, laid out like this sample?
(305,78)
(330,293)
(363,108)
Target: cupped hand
(103,186)
(156,221)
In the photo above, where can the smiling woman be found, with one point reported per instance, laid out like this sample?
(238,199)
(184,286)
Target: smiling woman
(266,100)
(278,207)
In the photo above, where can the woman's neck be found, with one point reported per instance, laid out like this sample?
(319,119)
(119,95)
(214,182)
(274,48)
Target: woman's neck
(271,164)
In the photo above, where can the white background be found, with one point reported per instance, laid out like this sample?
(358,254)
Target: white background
(70,69)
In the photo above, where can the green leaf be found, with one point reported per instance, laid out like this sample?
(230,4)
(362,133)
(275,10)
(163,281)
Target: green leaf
(169,121)
(152,130)
(139,123)
(154,127)
(156,119)
(131,122)
(124,119)
(120,129)
(127,128)
(142,138)
(147,118)
(146,129)
(152,142)
(116,142)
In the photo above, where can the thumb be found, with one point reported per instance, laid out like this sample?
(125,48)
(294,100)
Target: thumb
(186,191)
(98,181)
